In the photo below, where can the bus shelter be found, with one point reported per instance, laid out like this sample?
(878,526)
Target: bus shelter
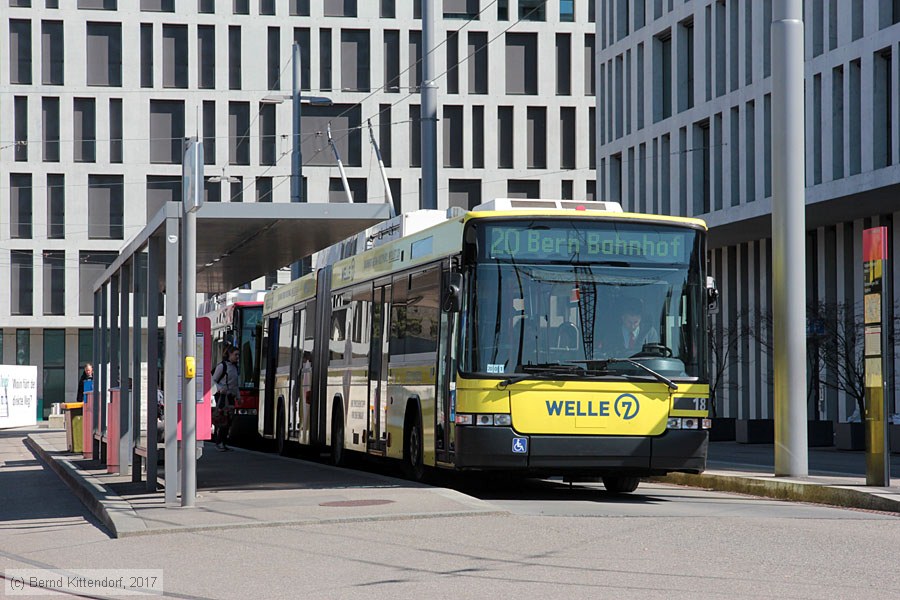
(138,296)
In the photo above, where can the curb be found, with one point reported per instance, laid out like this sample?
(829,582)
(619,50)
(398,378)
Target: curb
(110,509)
(792,490)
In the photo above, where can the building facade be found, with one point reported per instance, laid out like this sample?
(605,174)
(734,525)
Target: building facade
(684,94)
(96,96)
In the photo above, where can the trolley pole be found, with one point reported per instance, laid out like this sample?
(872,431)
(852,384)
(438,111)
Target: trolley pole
(429,108)
(788,240)
(296,156)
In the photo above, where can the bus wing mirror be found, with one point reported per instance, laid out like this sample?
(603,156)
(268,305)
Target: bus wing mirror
(712,295)
(453,293)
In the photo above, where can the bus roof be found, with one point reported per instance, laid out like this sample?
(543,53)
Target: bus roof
(289,294)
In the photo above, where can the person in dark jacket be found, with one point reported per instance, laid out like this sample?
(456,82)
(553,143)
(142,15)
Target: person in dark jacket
(225,377)
(86,375)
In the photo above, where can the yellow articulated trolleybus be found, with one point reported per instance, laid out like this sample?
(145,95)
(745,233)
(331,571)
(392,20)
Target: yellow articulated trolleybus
(539,337)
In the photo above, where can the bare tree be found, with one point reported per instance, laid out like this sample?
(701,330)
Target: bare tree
(726,335)
(840,343)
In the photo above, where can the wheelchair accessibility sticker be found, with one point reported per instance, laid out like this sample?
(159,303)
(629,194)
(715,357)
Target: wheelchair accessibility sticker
(520,445)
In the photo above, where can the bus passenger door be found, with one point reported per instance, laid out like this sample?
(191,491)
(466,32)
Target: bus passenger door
(268,405)
(445,413)
(378,369)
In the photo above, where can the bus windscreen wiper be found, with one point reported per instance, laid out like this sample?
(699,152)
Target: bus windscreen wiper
(602,365)
(526,371)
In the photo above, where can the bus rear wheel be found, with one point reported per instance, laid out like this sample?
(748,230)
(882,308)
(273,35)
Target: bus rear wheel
(413,455)
(337,436)
(620,484)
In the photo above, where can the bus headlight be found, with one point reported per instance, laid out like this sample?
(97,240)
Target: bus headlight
(464,419)
(674,423)
(484,419)
(503,420)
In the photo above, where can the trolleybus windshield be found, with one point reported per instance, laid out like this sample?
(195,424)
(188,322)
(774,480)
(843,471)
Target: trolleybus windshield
(558,298)
(250,340)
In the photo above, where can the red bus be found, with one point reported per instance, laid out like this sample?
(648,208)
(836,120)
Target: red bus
(236,319)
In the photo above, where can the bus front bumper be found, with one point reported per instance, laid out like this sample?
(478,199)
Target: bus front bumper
(501,448)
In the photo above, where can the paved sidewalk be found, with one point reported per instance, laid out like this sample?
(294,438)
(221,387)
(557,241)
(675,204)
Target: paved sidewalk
(249,489)
(836,477)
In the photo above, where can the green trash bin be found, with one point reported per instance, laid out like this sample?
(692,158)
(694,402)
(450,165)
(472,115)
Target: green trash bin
(74,424)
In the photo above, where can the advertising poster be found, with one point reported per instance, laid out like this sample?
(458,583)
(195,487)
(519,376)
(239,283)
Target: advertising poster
(18,396)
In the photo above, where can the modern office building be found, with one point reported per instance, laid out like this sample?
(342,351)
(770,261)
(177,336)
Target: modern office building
(685,97)
(96,96)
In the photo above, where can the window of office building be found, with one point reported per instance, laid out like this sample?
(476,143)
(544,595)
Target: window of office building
(461,9)
(478,62)
(384,134)
(54,367)
(206,57)
(106,207)
(267,7)
(567,189)
(20,206)
(47,4)
(478,137)
(146,55)
(236,189)
(54,282)
(209,132)
(532,10)
(882,107)
(20,51)
(298,8)
(686,65)
(96,4)
(589,72)
(453,136)
(160,190)
(239,133)
(52,53)
(536,130)
(234,57)
(115,130)
(166,131)
(358,190)
(20,3)
(21,282)
(23,346)
(391,60)
(267,139)
(414,73)
(563,64)
(325,59)
(20,123)
(505,141)
(158,5)
(503,10)
(388,9)
(567,11)
(175,56)
(521,63)
(56,206)
(91,264)
(301,36)
(207,7)
(104,54)
(567,145)
(452,78)
(273,58)
(263,189)
(340,8)
(662,68)
(415,135)
(212,190)
(523,188)
(85,347)
(240,7)
(355,60)
(50,127)
(464,193)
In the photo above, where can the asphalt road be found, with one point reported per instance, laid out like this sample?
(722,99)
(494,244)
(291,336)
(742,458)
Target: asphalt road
(556,542)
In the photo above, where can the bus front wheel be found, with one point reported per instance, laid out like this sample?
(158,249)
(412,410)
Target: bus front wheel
(620,484)
(413,456)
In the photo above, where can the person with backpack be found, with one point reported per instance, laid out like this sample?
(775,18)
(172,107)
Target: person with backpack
(225,376)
